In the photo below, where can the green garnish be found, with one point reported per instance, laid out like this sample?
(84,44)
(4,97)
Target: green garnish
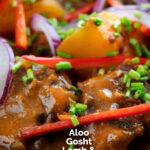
(32,1)
(139,94)
(136,46)
(147,63)
(137,14)
(111,54)
(76,108)
(128,94)
(16,67)
(13,3)
(25,79)
(45,15)
(71,146)
(141,70)
(30,75)
(64,55)
(135,60)
(81,23)
(127,24)
(135,75)
(101,72)
(63,66)
(146,98)
(137,84)
(116,34)
(137,25)
(98,21)
(74,120)
(146,52)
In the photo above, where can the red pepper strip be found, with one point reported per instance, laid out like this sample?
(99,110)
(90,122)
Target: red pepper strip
(20,27)
(114,3)
(80,63)
(98,117)
(3,4)
(84,10)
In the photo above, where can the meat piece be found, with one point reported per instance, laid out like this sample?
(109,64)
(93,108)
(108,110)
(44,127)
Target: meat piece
(104,93)
(29,104)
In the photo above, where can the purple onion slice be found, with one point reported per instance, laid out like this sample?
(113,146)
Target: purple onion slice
(39,24)
(6,64)
(99,4)
(128,11)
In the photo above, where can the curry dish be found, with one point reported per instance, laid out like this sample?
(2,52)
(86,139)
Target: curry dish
(75,74)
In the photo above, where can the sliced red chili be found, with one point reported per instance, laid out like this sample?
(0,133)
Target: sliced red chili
(20,27)
(84,10)
(98,117)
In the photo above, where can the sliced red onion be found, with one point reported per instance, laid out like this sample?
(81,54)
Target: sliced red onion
(72,24)
(99,5)
(39,24)
(6,64)
(128,11)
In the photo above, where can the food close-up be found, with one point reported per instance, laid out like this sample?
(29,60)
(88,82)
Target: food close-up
(74,74)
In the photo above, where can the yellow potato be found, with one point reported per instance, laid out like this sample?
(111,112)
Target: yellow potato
(94,41)
(7,18)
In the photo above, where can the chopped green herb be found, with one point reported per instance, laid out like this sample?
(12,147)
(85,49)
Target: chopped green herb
(74,120)
(143,79)
(141,70)
(135,75)
(17,58)
(146,98)
(16,67)
(13,3)
(137,84)
(63,66)
(98,21)
(101,72)
(137,25)
(146,52)
(81,23)
(127,24)
(147,63)
(72,111)
(116,34)
(137,14)
(111,54)
(136,46)
(30,75)
(135,60)
(128,82)
(139,94)
(128,94)
(64,55)
(45,15)
(117,24)
(25,79)
(32,1)
(71,146)
(125,78)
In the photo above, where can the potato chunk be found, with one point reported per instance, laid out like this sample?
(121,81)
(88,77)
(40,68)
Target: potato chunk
(95,41)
